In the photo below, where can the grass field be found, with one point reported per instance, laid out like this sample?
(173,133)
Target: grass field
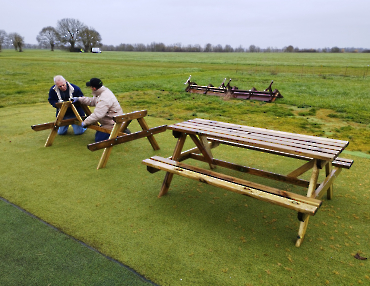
(197,234)
(324,94)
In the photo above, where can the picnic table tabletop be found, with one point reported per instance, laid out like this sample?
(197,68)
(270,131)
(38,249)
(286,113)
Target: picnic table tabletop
(302,145)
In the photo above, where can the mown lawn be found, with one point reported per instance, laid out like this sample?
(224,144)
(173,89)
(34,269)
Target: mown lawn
(197,234)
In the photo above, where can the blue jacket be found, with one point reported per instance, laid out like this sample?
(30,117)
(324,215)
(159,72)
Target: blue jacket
(56,96)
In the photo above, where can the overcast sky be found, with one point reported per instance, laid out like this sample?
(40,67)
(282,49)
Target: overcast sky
(263,23)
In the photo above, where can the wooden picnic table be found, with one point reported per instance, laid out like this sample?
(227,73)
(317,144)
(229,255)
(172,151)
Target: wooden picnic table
(117,135)
(316,152)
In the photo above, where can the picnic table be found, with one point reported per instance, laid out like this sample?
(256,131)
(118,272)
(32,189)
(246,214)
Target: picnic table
(117,135)
(316,152)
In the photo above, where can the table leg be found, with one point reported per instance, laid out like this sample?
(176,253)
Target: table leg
(302,231)
(106,153)
(176,155)
(328,169)
(54,130)
(203,146)
(310,193)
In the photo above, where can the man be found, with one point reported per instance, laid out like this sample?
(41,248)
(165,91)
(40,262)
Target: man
(65,91)
(106,107)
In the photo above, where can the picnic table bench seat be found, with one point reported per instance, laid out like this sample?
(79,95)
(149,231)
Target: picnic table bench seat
(319,152)
(286,199)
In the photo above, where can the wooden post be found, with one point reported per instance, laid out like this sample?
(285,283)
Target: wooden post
(106,153)
(176,155)
(54,130)
(328,169)
(310,192)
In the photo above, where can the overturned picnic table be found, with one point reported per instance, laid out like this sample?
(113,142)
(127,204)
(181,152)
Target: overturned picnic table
(117,135)
(317,152)
(228,91)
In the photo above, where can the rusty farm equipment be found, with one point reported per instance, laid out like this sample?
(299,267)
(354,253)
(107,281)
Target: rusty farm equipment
(228,91)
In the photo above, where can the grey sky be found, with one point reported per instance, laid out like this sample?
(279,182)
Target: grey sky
(263,23)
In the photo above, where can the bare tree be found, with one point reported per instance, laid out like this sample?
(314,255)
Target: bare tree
(3,38)
(90,38)
(208,48)
(17,41)
(252,49)
(69,30)
(48,36)
(289,49)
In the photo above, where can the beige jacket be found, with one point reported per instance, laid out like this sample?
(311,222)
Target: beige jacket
(106,107)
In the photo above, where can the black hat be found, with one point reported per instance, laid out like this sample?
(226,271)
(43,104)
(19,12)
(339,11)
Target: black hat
(95,82)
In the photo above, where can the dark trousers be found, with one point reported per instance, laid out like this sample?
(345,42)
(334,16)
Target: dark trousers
(100,136)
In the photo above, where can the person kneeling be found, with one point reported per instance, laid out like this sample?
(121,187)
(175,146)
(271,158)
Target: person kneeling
(106,107)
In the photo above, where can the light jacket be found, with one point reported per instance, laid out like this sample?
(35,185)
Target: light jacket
(106,107)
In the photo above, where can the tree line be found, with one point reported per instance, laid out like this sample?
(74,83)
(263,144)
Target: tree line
(70,34)
(73,35)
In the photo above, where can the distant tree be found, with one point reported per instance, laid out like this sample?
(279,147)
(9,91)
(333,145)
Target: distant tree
(90,38)
(228,49)
(69,30)
(140,47)
(3,38)
(289,49)
(239,49)
(218,48)
(17,41)
(48,36)
(208,48)
(335,50)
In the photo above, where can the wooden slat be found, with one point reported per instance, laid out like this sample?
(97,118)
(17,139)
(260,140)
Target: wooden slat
(255,143)
(253,171)
(268,137)
(125,138)
(239,181)
(289,200)
(338,162)
(276,132)
(130,116)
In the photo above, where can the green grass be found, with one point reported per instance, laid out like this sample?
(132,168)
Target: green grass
(33,253)
(197,234)
(334,85)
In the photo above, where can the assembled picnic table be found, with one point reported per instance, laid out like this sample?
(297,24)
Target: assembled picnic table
(317,152)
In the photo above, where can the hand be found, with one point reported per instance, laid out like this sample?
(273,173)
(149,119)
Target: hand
(75,99)
(83,124)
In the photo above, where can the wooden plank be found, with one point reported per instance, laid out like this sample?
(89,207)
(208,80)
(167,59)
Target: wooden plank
(130,116)
(269,137)
(107,151)
(301,232)
(266,136)
(328,170)
(301,170)
(125,138)
(54,130)
(253,171)
(176,154)
(275,132)
(218,180)
(206,153)
(44,126)
(338,162)
(326,184)
(151,138)
(260,144)
(221,176)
